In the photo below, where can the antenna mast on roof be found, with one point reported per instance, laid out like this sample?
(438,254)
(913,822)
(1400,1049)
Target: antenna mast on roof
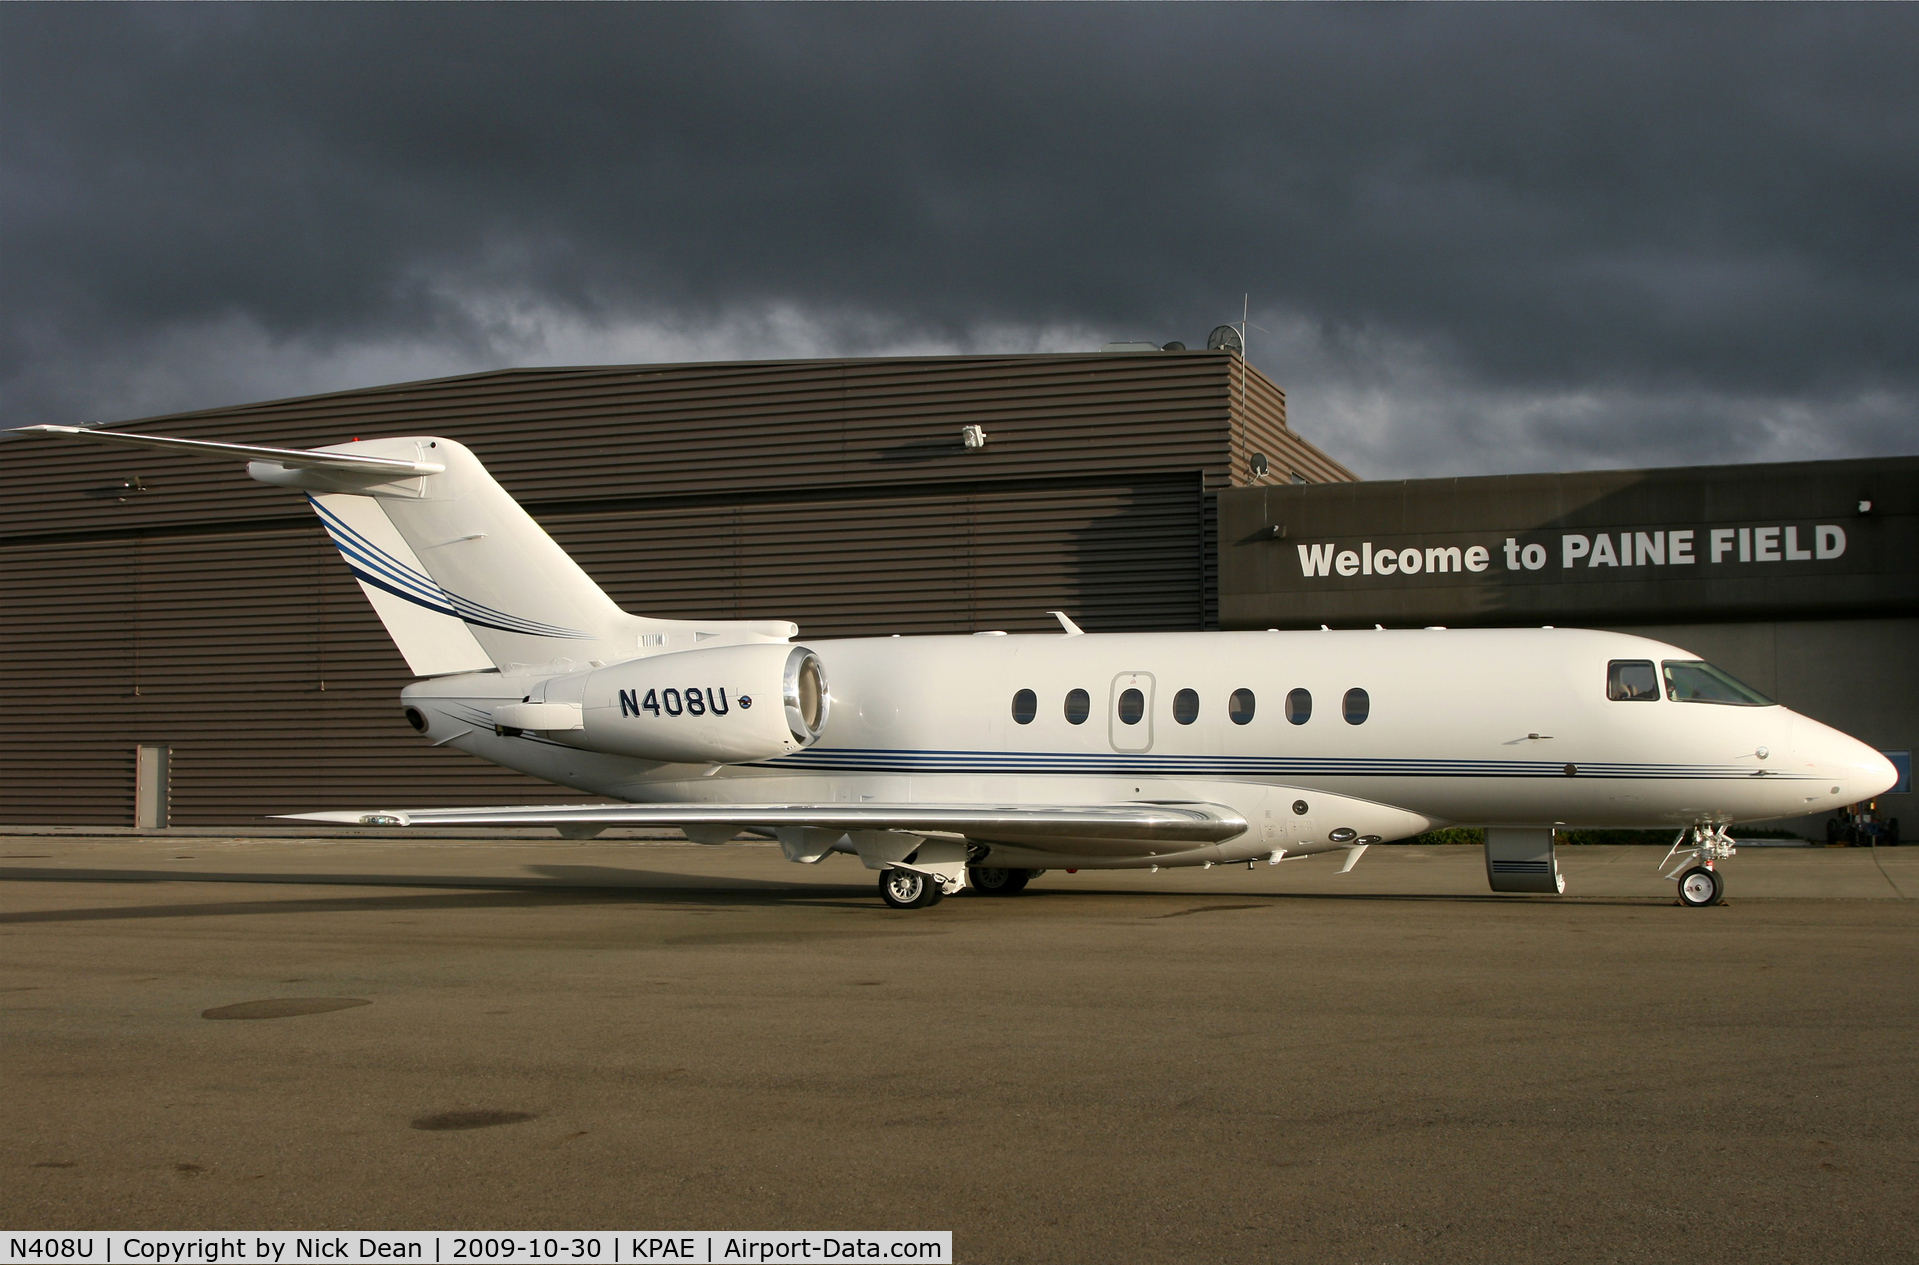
(1232,338)
(1245,324)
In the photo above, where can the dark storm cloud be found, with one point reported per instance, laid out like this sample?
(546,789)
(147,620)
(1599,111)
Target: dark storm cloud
(1542,199)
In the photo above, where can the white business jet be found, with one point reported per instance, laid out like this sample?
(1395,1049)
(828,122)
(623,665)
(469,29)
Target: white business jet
(991,758)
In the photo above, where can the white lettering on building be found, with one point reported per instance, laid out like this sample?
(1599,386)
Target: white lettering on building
(1787,542)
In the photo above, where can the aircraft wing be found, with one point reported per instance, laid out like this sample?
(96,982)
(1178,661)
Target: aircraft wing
(1143,823)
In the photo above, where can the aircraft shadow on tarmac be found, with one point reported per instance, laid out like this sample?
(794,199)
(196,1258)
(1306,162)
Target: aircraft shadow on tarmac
(604,885)
(576,885)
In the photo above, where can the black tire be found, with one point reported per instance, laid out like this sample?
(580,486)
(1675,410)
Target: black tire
(1892,832)
(904,889)
(990,880)
(1700,887)
(1832,830)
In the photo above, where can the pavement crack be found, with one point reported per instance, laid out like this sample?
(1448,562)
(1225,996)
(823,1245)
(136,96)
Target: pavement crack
(1882,872)
(1206,909)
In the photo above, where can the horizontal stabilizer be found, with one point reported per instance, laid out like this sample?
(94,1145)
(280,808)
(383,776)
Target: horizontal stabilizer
(1145,823)
(296,458)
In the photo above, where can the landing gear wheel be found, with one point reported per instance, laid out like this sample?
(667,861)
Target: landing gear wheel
(990,880)
(1700,887)
(904,889)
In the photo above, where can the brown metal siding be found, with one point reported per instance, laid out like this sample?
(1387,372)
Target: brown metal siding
(253,655)
(930,561)
(210,613)
(552,434)
(1259,419)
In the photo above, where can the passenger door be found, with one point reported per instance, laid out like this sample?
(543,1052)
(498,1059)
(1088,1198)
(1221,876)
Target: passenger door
(1129,712)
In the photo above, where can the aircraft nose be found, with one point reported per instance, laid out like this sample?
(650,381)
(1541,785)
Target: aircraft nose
(1857,770)
(1876,775)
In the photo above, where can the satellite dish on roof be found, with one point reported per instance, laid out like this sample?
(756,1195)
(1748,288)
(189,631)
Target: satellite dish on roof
(1225,338)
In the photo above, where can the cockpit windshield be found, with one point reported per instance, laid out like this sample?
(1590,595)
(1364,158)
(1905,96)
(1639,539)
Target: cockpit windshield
(1696,681)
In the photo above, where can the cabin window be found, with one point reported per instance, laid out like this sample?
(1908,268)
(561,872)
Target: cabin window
(1025,706)
(1632,681)
(1186,706)
(1240,707)
(1356,707)
(1694,681)
(1299,707)
(1079,705)
(1132,706)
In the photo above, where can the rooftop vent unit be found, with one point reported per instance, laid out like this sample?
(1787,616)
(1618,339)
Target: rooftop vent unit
(1130,347)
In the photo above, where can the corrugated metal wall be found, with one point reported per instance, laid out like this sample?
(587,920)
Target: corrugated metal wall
(206,612)
(922,561)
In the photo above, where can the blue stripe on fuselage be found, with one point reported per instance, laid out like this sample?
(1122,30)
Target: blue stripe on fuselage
(855,760)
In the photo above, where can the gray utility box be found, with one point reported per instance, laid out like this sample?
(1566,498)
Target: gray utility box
(1522,861)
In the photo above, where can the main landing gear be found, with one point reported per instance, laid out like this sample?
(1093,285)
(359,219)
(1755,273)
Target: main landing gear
(909,889)
(914,887)
(1699,883)
(990,880)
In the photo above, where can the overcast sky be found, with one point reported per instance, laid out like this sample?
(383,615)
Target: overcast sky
(1477,239)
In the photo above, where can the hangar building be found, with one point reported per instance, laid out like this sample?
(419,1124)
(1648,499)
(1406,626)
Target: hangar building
(182,645)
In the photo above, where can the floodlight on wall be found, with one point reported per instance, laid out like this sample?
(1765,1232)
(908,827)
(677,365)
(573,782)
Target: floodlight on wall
(122,491)
(974,437)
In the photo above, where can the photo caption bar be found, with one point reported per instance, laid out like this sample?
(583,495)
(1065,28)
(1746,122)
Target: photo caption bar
(454,1247)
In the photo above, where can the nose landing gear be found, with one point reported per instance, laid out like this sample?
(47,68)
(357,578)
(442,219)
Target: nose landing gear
(1699,887)
(1699,883)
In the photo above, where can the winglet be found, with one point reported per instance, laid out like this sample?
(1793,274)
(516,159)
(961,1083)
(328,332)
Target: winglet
(1070,628)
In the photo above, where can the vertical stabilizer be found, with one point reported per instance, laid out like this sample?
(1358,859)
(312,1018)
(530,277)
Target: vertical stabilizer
(416,611)
(467,553)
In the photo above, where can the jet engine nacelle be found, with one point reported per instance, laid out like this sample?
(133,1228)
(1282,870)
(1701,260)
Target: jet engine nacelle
(725,705)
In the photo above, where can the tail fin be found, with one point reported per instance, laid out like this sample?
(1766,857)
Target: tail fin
(461,576)
(417,613)
(469,553)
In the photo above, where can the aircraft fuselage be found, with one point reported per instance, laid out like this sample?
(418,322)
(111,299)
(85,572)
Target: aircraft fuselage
(1504,727)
